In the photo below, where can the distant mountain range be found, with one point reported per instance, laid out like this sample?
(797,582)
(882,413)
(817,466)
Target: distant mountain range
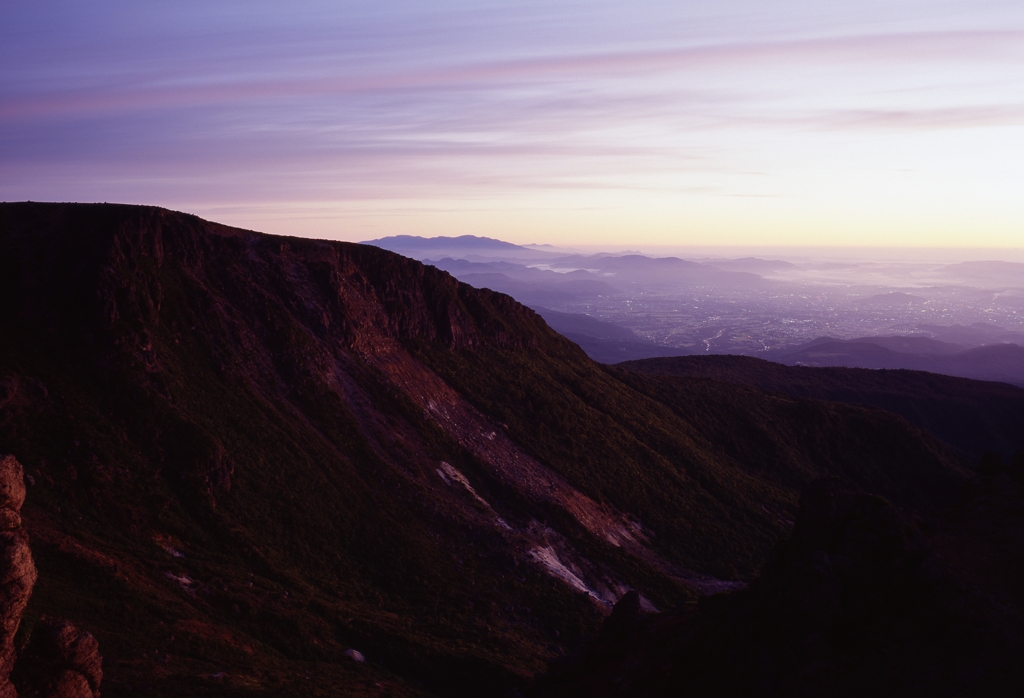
(994,362)
(462,246)
(988,273)
(1003,361)
(529,273)
(462,242)
(751,264)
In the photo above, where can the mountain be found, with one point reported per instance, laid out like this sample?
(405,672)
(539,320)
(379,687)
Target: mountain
(603,341)
(862,599)
(973,335)
(527,284)
(994,362)
(572,280)
(974,416)
(911,344)
(261,465)
(659,272)
(468,246)
(464,242)
(988,273)
(752,264)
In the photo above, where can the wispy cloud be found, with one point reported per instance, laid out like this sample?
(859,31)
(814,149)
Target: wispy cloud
(178,91)
(233,103)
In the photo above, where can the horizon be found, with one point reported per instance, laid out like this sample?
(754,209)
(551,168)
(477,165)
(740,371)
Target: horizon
(884,128)
(937,255)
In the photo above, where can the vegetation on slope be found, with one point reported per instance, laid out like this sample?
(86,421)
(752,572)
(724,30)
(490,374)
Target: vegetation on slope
(862,599)
(236,461)
(974,416)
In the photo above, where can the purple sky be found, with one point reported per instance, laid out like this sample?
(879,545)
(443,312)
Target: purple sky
(674,123)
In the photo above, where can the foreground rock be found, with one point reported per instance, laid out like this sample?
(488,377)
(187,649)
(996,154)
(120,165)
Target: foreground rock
(61,661)
(17,572)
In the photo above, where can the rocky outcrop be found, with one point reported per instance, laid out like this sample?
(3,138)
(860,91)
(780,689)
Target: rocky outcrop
(17,571)
(61,661)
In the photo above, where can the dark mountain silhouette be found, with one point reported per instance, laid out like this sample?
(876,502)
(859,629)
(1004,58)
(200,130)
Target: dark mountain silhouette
(995,362)
(466,242)
(470,246)
(973,335)
(975,416)
(863,599)
(261,465)
(901,344)
(911,344)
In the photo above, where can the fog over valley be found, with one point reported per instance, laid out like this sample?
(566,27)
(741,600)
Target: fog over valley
(828,309)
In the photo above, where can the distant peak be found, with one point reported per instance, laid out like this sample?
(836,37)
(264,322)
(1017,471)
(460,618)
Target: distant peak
(474,242)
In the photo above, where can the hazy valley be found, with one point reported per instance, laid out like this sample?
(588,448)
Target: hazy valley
(775,309)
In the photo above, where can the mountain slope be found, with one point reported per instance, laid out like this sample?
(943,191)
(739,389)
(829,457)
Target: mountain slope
(252,453)
(605,342)
(975,416)
(863,599)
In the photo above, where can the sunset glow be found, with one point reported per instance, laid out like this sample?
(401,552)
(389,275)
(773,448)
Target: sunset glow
(683,123)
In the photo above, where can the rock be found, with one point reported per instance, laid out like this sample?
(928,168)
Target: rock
(355,656)
(17,571)
(77,650)
(60,661)
(12,483)
(70,684)
(623,616)
(65,660)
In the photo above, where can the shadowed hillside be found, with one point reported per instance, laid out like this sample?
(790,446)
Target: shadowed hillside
(249,454)
(862,599)
(975,416)
(993,362)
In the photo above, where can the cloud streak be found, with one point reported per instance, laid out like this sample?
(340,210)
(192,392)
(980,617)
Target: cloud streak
(228,104)
(940,47)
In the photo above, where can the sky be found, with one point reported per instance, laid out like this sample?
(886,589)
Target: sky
(896,123)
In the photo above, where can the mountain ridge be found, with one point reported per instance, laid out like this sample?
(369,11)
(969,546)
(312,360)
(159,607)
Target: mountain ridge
(254,453)
(974,416)
(993,362)
(471,242)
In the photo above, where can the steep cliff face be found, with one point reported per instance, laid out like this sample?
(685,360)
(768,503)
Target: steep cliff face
(254,453)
